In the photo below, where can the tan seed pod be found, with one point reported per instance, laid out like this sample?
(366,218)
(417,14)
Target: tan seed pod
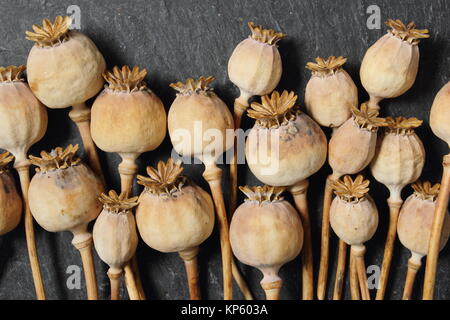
(266,233)
(10,201)
(440,113)
(330,92)
(389,67)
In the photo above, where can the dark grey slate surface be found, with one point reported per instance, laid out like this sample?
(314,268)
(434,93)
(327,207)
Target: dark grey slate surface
(179,39)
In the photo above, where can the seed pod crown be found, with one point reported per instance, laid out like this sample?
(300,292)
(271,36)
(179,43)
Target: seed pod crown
(349,190)
(191,86)
(274,110)
(58,158)
(325,67)
(402,125)
(12,73)
(426,191)
(263,194)
(267,36)
(408,32)
(367,118)
(50,34)
(5,159)
(126,80)
(165,179)
(116,204)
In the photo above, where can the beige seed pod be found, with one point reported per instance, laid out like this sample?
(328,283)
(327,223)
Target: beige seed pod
(65,69)
(115,236)
(414,228)
(389,67)
(64,197)
(354,218)
(201,126)
(10,201)
(23,122)
(284,148)
(440,111)
(330,92)
(127,118)
(266,233)
(175,215)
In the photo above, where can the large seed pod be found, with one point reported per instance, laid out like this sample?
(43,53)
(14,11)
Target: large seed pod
(285,146)
(64,67)
(173,214)
(23,119)
(416,218)
(10,201)
(440,113)
(352,146)
(200,124)
(330,93)
(115,236)
(353,214)
(389,67)
(127,116)
(64,192)
(400,154)
(255,65)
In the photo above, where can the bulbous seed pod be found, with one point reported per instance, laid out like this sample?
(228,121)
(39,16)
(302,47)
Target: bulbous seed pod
(200,125)
(330,92)
(127,118)
(114,234)
(284,148)
(266,233)
(10,201)
(23,122)
(440,111)
(65,69)
(414,228)
(354,218)
(64,197)
(175,215)
(389,67)
(255,67)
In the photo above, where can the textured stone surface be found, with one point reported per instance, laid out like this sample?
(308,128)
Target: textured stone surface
(180,39)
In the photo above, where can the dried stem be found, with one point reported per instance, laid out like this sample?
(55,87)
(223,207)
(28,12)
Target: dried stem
(85,249)
(114,280)
(340,271)
(130,283)
(272,289)
(414,264)
(436,230)
(358,252)
(189,257)
(354,286)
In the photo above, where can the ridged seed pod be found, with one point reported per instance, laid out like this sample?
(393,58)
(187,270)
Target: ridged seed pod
(10,201)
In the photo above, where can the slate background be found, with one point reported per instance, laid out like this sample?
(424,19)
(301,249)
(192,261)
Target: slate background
(179,39)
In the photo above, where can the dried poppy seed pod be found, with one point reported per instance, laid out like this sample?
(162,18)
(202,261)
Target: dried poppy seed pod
(414,228)
(265,233)
(64,197)
(175,215)
(115,236)
(64,66)
(389,67)
(284,148)
(440,113)
(330,92)
(10,201)
(127,118)
(354,218)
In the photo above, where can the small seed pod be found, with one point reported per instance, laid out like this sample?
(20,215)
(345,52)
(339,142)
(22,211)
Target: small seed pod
(115,236)
(265,233)
(127,118)
(414,228)
(354,218)
(64,67)
(285,146)
(330,92)
(389,67)
(175,215)
(440,113)
(352,146)
(23,119)
(63,196)
(10,201)
(255,65)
